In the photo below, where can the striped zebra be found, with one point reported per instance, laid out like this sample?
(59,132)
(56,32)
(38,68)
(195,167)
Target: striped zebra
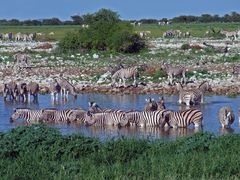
(178,71)
(192,96)
(95,108)
(33,89)
(106,118)
(148,118)
(30,116)
(54,89)
(9,90)
(185,118)
(66,88)
(230,34)
(125,73)
(226,116)
(150,105)
(58,116)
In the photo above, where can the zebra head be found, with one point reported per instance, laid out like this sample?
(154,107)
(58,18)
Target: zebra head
(227,118)
(150,105)
(16,114)
(161,104)
(89,119)
(93,107)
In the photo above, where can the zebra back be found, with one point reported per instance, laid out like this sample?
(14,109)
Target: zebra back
(185,118)
(126,73)
(226,116)
(29,115)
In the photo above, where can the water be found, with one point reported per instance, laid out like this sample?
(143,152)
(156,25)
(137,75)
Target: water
(127,102)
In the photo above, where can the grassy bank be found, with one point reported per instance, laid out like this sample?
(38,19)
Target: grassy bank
(196,29)
(38,152)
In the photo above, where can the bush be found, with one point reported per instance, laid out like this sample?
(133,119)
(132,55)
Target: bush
(106,32)
(185,46)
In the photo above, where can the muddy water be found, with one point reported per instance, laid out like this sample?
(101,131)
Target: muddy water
(126,102)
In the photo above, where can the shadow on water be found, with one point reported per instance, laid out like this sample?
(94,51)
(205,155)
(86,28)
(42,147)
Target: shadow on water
(209,108)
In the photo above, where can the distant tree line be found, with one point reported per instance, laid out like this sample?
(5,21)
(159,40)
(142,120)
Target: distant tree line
(87,19)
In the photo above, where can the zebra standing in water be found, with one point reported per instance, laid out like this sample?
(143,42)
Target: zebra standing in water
(54,88)
(107,118)
(150,105)
(192,96)
(33,89)
(174,72)
(58,116)
(29,115)
(125,73)
(66,88)
(161,104)
(226,116)
(185,118)
(148,118)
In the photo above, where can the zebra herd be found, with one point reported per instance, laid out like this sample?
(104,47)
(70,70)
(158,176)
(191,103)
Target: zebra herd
(97,116)
(18,37)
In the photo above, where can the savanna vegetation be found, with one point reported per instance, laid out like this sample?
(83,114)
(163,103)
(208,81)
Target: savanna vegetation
(40,152)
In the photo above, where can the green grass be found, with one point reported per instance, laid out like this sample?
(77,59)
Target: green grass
(196,29)
(38,152)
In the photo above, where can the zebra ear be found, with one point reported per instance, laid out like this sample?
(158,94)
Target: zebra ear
(14,110)
(89,104)
(147,100)
(228,114)
(152,99)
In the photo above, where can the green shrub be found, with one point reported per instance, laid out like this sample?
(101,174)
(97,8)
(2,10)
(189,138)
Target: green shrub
(106,32)
(185,46)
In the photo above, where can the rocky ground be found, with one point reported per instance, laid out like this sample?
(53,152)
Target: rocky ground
(87,70)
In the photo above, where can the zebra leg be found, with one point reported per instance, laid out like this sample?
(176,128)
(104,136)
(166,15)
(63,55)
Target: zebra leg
(124,82)
(202,98)
(67,92)
(29,97)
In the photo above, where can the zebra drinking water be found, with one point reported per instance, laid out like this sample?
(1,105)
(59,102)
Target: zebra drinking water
(147,118)
(95,108)
(106,118)
(226,116)
(30,116)
(185,118)
(66,88)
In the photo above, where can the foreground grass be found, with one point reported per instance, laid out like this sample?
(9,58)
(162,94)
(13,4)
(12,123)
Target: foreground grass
(38,152)
(196,29)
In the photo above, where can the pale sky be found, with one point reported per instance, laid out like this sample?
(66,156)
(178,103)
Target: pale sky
(127,9)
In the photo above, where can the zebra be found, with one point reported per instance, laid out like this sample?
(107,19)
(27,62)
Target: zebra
(95,108)
(33,89)
(236,70)
(150,105)
(9,90)
(226,116)
(125,73)
(161,104)
(185,118)
(54,88)
(30,116)
(106,118)
(147,118)
(174,71)
(66,88)
(192,96)
(229,34)
(21,92)
(58,116)
(22,61)
(78,115)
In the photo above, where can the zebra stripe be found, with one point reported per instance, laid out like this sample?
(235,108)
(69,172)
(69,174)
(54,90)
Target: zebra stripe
(148,118)
(100,119)
(29,115)
(125,73)
(185,118)
(226,116)
(174,72)
(192,96)
(150,105)
(53,115)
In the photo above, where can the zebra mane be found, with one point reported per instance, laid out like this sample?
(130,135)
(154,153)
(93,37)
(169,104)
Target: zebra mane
(201,86)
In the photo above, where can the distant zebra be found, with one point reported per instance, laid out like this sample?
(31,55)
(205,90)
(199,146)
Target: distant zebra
(230,34)
(150,105)
(148,118)
(185,118)
(192,96)
(226,116)
(125,73)
(95,108)
(174,72)
(106,118)
(54,89)
(9,90)
(30,116)
(236,70)
(33,89)
(66,88)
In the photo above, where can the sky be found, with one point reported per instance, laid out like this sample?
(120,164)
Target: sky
(127,9)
